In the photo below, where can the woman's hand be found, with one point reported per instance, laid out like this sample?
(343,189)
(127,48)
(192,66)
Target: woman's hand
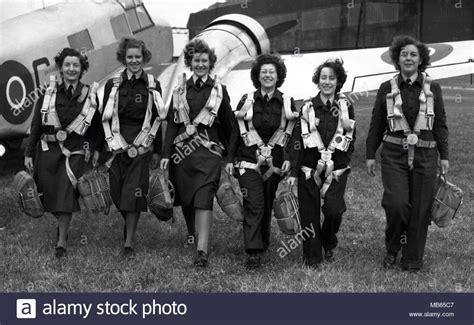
(155,161)
(29,164)
(285,167)
(291,180)
(87,156)
(444,166)
(164,163)
(229,168)
(370,163)
(95,159)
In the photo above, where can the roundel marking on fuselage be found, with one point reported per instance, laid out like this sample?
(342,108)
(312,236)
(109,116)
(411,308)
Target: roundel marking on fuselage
(16,88)
(437,52)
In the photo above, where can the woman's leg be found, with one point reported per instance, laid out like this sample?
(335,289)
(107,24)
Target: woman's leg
(131,222)
(64,221)
(203,224)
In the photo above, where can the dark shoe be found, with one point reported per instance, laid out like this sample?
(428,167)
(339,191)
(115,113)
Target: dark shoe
(60,252)
(127,252)
(311,265)
(329,256)
(411,269)
(190,241)
(201,259)
(253,261)
(389,261)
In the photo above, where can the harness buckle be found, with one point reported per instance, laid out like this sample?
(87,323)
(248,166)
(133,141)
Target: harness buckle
(61,136)
(412,139)
(265,151)
(326,155)
(190,129)
(132,152)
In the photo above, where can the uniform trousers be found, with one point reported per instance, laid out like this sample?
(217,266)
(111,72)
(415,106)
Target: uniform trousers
(309,200)
(407,200)
(258,199)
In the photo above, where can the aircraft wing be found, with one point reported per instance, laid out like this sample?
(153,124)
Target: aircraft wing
(366,69)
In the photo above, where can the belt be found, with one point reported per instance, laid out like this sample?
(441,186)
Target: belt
(403,142)
(242,165)
(409,143)
(131,151)
(312,173)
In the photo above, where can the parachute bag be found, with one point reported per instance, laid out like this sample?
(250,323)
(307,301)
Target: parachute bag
(94,190)
(229,199)
(286,211)
(29,198)
(446,202)
(160,196)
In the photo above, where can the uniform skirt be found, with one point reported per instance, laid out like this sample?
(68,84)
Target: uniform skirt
(195,177)
(129,181)
(51,178)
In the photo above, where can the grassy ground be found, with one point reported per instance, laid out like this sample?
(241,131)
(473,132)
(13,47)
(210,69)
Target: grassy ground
(161,264)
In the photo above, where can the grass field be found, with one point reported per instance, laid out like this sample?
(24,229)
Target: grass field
(161,264)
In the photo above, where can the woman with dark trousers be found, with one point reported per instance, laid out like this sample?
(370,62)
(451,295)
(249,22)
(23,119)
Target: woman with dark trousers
(409,118)
(321,149)
(132,110)
(199,125)
(61,139)
(264,122)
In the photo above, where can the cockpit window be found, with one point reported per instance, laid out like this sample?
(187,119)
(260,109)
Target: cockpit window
(137,15)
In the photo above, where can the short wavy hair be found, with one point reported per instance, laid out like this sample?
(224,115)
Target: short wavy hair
(401,41)
(337,65)
(132,43)
(268,59)
(199,46)
(67,51)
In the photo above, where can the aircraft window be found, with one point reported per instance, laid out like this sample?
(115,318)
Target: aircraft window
(143,17)
(139,19)
(133,20)
(120,26)
(81,41)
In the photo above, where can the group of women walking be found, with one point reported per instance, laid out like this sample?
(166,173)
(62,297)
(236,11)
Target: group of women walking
(263,141)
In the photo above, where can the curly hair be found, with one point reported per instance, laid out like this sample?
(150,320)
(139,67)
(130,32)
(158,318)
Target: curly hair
(399,42)
(132,43)
(59,59)
(337,65)
(199,46)
(268,59)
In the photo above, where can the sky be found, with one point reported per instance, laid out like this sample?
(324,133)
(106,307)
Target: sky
(176,12)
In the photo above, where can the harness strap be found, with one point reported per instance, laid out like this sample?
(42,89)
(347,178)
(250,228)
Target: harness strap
(333,175)
(49,115)
(83,120)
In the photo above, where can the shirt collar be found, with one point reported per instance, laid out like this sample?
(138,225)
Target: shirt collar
(207,81)
(196,78)
(137,75)
(276,94)
(417,77)
(318,101)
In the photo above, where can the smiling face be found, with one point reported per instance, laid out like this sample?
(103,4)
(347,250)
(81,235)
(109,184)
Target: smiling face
(268,77)
(200,64)
(409,60)
(327,82)
(71,69)
(134,60)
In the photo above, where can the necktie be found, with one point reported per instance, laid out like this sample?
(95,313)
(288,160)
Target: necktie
(328,104)
(133,78)
(408,82)
(70,91)
(266,98)
(199,83)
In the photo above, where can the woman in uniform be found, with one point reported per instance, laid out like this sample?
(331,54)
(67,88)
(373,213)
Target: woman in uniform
(409,117)
(199,125)
(321,149)
(61,140)
(265,119)
(132,111)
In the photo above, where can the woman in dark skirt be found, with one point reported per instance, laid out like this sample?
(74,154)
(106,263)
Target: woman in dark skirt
(265,121)
(409,118)
(132,105)
(321,152)
(199,125)
(54,136)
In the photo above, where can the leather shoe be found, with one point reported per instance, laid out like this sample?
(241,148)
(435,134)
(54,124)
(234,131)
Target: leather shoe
(329,255)
(253,261)
(60,252)
(201,259)
(389,261)
(127,252)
